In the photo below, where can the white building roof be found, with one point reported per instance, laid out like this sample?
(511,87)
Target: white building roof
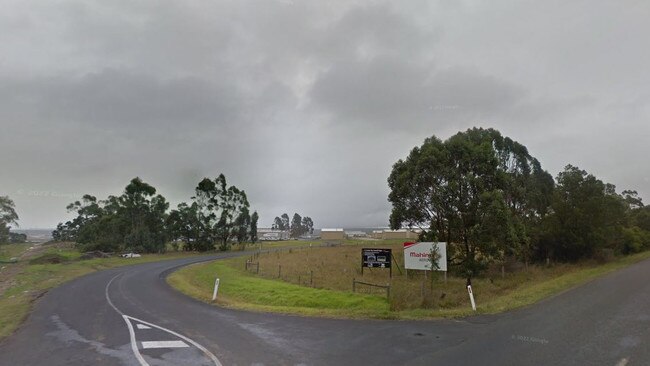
(331,230)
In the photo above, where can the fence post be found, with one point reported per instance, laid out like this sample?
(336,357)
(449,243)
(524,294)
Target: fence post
(388,292)
(311,278)
(354,283)
(279,271)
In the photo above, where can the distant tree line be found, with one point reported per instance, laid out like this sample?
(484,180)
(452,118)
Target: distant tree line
(491,201)
(9,217)
(297,227)
(140,220)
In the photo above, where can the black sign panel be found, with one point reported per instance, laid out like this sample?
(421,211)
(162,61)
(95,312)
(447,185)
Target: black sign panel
(375,258)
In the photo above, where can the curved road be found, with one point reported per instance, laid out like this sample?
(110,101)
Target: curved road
(130,316)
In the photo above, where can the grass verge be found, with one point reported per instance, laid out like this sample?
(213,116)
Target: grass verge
(536,291)
(241,289)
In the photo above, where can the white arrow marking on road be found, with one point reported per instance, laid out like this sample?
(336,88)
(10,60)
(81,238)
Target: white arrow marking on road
(142,326)
(164,344)
(134,345)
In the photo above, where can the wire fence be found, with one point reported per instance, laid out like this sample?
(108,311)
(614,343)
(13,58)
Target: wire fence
(369,286)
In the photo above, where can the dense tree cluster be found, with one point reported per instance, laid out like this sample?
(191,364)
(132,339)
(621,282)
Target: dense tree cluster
(589,218)
(9,217)
(297,226)
(487,197)
(139,219)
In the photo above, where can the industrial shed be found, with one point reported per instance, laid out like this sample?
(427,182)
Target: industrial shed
(401,234)
(332,234)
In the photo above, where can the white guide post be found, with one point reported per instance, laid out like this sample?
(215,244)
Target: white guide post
(216,289)
(471,297)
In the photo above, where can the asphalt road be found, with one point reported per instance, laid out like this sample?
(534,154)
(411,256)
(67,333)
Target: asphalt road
(130,316)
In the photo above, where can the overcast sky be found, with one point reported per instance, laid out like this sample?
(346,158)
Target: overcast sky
(307,104)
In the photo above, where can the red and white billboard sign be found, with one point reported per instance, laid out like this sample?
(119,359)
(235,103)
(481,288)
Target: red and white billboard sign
(418,255)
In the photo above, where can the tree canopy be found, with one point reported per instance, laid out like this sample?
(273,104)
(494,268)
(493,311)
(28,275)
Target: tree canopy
(8,218)
(297,227)
(478,191)
(140,220)
(490,200)
(589,218)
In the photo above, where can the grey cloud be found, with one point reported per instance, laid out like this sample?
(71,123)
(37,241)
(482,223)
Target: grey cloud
(388,92)
(117,98)
(306,105)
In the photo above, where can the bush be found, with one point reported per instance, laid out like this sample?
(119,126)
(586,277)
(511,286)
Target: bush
(635,240)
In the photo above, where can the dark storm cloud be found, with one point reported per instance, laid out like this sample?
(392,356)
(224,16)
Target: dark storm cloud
(306,105)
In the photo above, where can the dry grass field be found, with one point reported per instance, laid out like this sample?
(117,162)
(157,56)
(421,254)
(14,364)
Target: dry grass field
(335,268)
(318,281)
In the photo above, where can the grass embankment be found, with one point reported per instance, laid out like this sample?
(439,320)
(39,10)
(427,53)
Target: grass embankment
(9,251)
(23,282)
(242,290)
(318,281)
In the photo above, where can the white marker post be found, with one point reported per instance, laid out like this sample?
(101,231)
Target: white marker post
(216,289)
(471,297)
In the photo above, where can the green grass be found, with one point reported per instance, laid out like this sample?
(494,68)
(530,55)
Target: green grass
(32,280)
(244,290)
(8,251)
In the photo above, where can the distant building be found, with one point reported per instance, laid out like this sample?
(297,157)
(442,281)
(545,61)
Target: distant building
(377,234)
(356,234)
(332,234)
(272,234)
(396,234)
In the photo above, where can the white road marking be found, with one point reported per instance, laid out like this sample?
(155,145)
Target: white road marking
(134,345)
(108,299)
(142,326)
(207,353)
(622,362)
(164,344)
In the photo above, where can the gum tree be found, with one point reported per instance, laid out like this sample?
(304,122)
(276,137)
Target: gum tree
(478,191)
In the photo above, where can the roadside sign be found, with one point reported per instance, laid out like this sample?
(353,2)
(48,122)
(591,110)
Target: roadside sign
(376,258)
(417,255)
